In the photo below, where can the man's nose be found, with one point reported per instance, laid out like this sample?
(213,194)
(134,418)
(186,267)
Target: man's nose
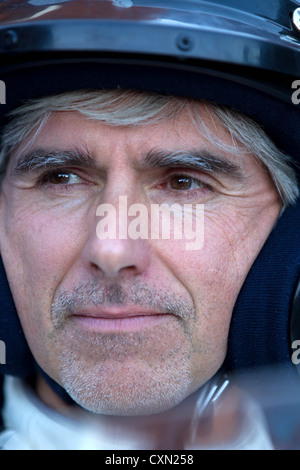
(111,254)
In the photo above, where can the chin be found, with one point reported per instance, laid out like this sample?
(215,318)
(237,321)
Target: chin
(127,392)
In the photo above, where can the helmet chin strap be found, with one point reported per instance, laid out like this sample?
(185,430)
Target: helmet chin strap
(260,332)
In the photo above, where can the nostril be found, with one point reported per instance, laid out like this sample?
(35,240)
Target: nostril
(110,272)
(112,258)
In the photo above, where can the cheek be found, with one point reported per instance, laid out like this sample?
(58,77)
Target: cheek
(216,269)
(213,276)
(37,250)
(43,242)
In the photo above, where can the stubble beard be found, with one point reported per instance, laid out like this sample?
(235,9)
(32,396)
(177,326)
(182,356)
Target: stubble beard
(124,373)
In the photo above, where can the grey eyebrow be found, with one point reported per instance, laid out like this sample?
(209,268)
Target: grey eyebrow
(200,160)
(40,159)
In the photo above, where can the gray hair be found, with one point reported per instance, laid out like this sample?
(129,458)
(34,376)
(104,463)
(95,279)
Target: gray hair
(132,108)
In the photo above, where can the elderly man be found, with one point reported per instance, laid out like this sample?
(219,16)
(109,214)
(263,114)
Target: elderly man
(122,321)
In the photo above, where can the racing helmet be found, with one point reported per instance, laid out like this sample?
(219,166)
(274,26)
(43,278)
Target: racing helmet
(244,54)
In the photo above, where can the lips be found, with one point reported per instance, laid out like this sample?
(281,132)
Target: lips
(125,319)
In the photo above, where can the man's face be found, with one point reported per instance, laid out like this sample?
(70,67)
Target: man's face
(129,326)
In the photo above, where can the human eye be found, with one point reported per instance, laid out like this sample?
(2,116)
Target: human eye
(181,182)
(60,178)
(67,181)
(184,185)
